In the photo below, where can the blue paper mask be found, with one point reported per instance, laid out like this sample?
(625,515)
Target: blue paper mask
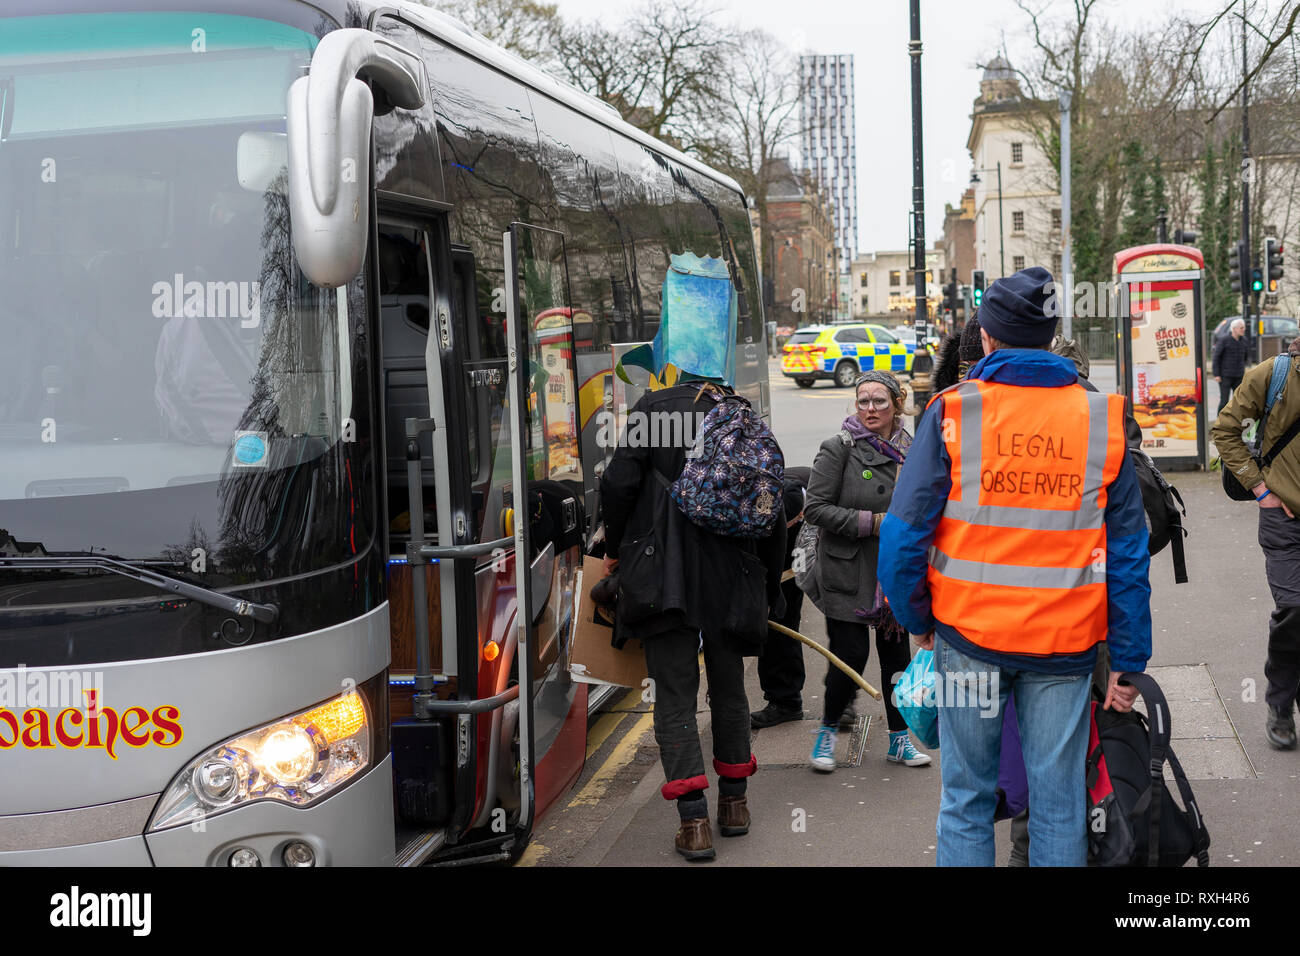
(697,325)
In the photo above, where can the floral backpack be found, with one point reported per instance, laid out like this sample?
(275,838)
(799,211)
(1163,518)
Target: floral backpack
(731,482)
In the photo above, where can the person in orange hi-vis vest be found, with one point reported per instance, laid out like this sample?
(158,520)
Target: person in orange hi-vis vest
(1014,545)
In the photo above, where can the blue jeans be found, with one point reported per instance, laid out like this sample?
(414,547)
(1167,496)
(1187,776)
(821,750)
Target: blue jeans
(1052,712)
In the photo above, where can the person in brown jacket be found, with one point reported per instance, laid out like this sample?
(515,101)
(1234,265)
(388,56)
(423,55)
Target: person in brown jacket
(1277,490)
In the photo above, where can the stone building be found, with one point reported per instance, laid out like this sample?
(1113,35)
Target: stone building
(959,238)
(804,264)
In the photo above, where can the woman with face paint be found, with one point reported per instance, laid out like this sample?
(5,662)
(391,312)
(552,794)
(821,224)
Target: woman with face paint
(852,482)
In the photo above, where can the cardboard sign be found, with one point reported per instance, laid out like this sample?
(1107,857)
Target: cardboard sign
(593,659)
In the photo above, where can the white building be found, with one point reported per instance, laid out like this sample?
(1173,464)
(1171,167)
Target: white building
(1019,224)
(883,286)
(828,144)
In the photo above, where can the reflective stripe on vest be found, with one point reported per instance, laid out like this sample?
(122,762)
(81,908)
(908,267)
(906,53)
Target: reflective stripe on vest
(1018,562)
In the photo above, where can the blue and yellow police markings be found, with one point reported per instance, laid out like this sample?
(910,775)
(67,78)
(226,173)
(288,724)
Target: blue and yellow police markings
(885,356)
(832,345)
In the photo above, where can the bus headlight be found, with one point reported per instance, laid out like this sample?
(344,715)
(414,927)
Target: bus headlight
(297,759)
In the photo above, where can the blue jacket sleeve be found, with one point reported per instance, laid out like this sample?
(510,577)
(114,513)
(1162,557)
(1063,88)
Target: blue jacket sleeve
(909,527)
(1128,588)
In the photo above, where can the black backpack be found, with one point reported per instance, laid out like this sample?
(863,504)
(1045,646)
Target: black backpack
(1132,817)
(1164,509)
(1160,500)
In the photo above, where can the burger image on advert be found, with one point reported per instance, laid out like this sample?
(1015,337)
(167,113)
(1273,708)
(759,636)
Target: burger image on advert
(1170,409)
(1173,395)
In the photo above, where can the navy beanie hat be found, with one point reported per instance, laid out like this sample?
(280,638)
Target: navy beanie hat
(1021,309)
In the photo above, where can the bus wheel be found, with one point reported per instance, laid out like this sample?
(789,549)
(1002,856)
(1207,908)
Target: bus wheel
(846,373)
(804,382)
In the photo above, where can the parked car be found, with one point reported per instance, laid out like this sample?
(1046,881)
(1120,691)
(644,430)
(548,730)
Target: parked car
(904,333)
(1282,325)
(841,352)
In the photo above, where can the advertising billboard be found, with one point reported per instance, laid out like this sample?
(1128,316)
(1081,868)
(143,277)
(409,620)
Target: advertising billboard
(1161,365)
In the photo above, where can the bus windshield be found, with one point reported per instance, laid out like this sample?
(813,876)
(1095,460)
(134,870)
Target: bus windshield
(168,378)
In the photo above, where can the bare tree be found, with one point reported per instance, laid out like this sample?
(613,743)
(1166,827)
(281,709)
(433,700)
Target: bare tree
(756,116)
(525,27)
(1281,29)
(659,69)
(1127,121)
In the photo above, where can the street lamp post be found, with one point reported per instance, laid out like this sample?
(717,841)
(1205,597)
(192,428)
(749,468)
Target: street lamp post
(918,173)
(1067,264)
(1002,250)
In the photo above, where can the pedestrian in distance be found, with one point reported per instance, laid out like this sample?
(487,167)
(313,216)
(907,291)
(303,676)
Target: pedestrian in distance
(780,666)
(1015,544)
(1277,490)
(1229,361)
(698,587)
(853,478)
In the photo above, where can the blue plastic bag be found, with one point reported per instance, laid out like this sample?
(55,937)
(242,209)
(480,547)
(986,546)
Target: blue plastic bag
(914,697)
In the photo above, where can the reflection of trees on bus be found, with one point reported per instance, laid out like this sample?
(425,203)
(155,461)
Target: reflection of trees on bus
(270,512)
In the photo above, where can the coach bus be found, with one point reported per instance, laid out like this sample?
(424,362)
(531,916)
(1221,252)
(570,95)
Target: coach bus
(294,297)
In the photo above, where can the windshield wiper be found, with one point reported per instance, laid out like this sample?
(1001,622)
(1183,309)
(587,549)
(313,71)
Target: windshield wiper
(259,612)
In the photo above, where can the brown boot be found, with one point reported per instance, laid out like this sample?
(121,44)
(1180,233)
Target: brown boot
(695,839)
(733,816)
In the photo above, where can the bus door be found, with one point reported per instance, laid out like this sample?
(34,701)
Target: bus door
(548,545)
(433,677)
(405,295)
(496,733)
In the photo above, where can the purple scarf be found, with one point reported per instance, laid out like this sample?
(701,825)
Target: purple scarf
(895,449)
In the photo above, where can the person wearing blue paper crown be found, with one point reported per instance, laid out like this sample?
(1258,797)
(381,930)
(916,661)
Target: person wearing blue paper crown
(1015,544)
(680,584)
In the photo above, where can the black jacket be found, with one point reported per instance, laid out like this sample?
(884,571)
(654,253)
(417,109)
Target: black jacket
(704,581)
(1229,357)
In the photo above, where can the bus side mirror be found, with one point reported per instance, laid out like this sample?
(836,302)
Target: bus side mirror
(329,115)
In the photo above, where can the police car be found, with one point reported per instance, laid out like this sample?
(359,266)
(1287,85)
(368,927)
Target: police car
(842,352)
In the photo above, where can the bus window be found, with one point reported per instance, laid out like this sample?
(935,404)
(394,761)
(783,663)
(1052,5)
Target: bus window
(406,150)
(403,256)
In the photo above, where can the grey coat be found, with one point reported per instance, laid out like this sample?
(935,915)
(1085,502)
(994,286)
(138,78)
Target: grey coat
(846,564)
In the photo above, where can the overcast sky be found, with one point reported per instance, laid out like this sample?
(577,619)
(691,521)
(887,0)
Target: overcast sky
(956,34)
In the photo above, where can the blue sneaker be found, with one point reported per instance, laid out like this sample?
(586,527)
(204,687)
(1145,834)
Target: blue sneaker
(902,751)
(823,752)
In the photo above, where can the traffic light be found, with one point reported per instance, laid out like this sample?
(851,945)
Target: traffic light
(950,295)
(1237,266)
(1256,280)
(1272,263)
(977,292)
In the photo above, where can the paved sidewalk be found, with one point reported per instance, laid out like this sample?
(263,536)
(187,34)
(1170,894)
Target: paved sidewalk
(1210,639)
